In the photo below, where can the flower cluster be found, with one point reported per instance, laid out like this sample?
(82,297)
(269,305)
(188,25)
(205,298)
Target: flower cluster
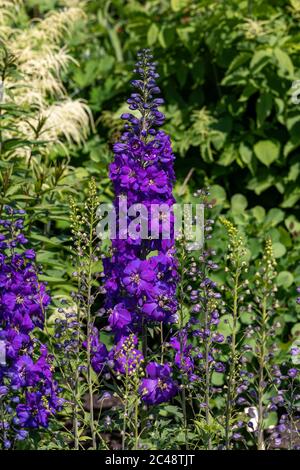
(196,343)
(28,392)
(141,274)
(158,387)
(127,358)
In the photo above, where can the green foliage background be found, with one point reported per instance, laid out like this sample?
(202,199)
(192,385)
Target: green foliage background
(227,72)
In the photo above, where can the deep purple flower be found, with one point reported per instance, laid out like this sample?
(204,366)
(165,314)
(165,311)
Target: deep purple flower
(30,254)
(295,351)
(99,353)
(154,180)
(159,304)
(34,413)
(292,372)
(119,318)
(183,356)
(219,367)
(138,277)
(159,387)
(3,390)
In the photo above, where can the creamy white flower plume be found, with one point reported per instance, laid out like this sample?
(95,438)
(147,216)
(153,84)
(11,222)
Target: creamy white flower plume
(41,59)
(70,119)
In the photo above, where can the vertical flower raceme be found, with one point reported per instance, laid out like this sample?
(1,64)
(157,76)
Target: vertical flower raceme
(28,392)
(141,275)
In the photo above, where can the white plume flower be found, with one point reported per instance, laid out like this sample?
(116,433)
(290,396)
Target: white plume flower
(41,59)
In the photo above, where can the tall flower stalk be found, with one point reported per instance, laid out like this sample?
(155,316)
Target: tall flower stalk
(196,340)
(81,357)
(265,299)
(87,258)
(28,391)
(237,264)
(141,273)
(128,365)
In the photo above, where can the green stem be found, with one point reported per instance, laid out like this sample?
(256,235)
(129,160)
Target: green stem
(185,418)
(207,372)
(76,387)
(136,423)
(232,368)
(125,412)
(181,324)
(207,388)
(262,354)
(3,76)
(89,333)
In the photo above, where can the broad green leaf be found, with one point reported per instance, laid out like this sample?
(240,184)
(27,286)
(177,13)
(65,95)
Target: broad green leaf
(239,60)
(254,247)
(291,145)
(259,185)
(285,237)
(291,198)
(259,213)
(285,64)
(296,330)
(245,153)
(285,279)
(260,59)
(226,325)
(53,241)
(238,203)
(279,249)
(279,104)
(292,224)
(218,194)
(217,378)
(247,318)
(239,77)
(295,4)
(267,151)
(152,34)
(52,279)
(166,36)
(178,5)
(228,155)
(270,420)
(274,217)
(184,34)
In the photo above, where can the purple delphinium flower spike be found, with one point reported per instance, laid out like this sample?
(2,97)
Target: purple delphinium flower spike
(141,275)
(26,381)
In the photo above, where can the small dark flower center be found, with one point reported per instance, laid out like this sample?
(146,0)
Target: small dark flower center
(135,278)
